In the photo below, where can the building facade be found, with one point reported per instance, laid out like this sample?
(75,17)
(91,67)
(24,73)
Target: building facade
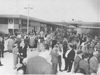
(18,23)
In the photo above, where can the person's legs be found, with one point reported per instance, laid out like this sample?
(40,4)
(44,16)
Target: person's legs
(30,47)
(66,64)
(2,53)
(60,63)
(20,72)
(70,66)
(0,62)
(22,69)
(21,60)
(0,59)
(54,66)
(15,60)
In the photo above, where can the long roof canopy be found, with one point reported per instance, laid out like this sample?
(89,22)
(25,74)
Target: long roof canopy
(69,24)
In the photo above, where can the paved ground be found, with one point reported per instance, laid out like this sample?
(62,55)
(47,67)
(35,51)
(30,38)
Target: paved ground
(7,68)
(7,61)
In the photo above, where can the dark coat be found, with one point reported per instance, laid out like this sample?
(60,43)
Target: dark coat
(54,42)
(71,55)
(23,51)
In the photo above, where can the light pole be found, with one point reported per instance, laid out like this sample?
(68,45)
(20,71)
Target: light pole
(28,10)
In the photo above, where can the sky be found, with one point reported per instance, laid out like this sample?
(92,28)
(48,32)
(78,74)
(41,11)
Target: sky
(54,10)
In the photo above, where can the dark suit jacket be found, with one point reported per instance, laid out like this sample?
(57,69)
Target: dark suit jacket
(23,51)
(71,55)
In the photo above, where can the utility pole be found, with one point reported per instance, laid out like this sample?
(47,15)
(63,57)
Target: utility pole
(28,20)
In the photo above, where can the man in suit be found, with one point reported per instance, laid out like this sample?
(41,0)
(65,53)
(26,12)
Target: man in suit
(54,58)
(70,54)
(22,50)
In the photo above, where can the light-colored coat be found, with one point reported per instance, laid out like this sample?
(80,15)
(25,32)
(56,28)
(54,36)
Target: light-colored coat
(10,44)
(93,64)
(38,65)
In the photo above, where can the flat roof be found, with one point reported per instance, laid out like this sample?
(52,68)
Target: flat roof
(79,24)
(74,23)
(25,17)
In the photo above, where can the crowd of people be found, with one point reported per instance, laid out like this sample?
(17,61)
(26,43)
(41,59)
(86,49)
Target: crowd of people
(82,51)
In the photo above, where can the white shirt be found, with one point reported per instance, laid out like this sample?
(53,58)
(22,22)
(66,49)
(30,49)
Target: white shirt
(66,55)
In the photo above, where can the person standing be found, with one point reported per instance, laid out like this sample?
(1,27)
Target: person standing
(31,42)
(54,42)
(15,55)
(10,44)
(2,50)
(54,58)
(6,44)
(22,50)
(60,55)
(1,47)
(70,54)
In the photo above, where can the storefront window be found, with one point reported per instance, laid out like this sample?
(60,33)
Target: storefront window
(3,21)
(10,21)
(24,23)
(16,21)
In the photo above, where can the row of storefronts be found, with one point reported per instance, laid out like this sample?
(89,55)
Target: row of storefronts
(18,23)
